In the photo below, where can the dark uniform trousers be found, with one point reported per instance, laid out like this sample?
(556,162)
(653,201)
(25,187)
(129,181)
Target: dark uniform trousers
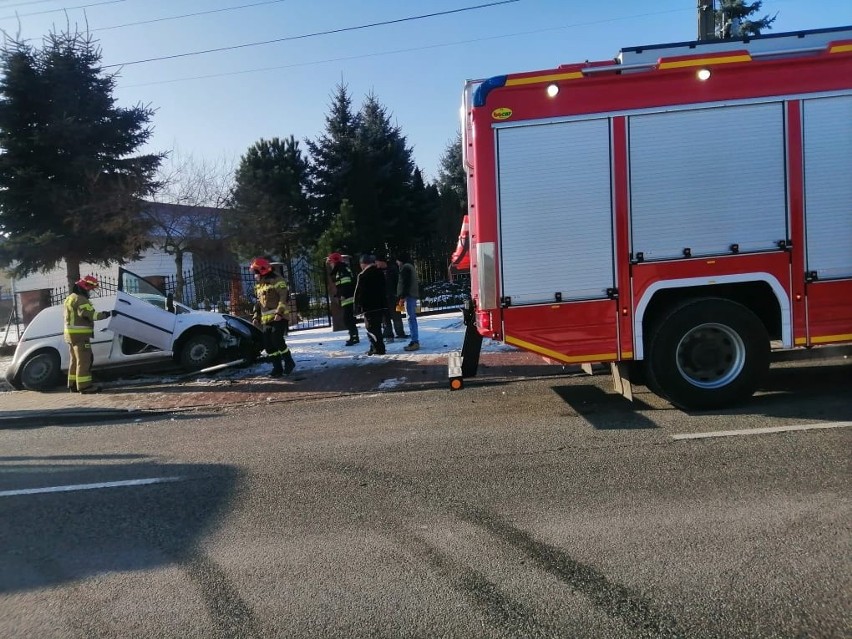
(274,342)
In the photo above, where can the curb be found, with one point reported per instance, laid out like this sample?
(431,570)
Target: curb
(67,416)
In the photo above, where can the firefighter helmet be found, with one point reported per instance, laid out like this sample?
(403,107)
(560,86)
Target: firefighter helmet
(261,266)
(334,258)
(88,283)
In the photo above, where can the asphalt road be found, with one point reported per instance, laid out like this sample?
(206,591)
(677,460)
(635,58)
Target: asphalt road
(532,508)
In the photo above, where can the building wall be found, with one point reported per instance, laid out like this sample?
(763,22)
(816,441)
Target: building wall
(152,262)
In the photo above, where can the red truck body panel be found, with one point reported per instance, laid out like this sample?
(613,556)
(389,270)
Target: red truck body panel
(607,324)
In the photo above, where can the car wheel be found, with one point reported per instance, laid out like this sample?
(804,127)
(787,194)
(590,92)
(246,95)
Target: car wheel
(707,353)
(41,371)
(199,351)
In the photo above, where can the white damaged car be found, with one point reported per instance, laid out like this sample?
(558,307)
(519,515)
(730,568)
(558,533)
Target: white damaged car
(147,330)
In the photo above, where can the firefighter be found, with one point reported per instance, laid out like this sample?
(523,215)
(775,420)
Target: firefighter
(345,287)
(80,318)
(270,314)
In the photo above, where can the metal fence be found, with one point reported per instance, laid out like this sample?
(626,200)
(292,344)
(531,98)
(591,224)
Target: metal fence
(230,288)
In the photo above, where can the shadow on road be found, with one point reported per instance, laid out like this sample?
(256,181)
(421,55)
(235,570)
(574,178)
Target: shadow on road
(53,538)
(797,391)
(603,410)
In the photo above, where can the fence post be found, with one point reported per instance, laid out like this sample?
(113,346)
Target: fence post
(33,302)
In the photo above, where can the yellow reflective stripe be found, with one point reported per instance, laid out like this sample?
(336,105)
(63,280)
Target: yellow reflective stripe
(87,378)
(85,307)
(697,62)
(347,301)
(345,280)
(840,48)
(553,77)
(81,330)
(572,359)
(826,339)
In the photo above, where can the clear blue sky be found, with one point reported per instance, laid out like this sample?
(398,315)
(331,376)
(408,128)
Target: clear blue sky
(417,68)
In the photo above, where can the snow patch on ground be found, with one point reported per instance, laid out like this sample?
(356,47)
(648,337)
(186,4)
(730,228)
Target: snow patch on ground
(321,348)
(393,382)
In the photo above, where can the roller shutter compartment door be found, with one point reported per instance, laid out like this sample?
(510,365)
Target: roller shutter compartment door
(828,186)
(706,179)
(555,211)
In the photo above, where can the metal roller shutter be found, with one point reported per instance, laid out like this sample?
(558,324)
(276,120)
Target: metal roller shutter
(555,211)
(828,185)
(706,179)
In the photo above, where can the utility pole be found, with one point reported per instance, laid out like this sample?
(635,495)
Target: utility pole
(706,19)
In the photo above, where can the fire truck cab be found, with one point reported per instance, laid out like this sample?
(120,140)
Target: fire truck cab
(680,212)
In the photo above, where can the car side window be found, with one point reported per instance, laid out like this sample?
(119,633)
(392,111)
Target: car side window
(141,288)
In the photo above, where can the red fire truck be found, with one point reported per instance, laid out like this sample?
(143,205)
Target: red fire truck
(682,212)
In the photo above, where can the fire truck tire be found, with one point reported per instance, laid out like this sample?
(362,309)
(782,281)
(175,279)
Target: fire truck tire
(707,353)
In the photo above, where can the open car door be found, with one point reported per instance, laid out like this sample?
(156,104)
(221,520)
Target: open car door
(141,312)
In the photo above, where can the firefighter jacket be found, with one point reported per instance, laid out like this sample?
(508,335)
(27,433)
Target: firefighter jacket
(343,283)
(271,292)
(80,318)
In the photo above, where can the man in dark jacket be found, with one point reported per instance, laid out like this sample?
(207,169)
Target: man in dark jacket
(371,299)
(392,319)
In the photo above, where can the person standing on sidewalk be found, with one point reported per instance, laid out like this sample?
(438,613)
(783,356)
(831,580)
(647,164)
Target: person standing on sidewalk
(407,292)
(371,299)
(80,318)
(392,320)
(344,286)
(270,314)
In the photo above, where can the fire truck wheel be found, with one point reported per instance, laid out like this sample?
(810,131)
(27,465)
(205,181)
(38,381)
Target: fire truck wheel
(707,353)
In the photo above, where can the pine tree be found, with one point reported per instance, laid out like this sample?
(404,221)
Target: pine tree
(338,235)
(331,161)
(452,190)
(452,176)
(384,206)
(732,19)
(270,208)
(70,187)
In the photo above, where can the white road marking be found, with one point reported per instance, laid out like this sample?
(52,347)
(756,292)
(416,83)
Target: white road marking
(760,431)
(72,487)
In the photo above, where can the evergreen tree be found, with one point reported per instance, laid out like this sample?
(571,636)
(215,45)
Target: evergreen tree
(452,191)
(269,205)
(70,187)
(732,19)
(338,235)
(452,175)
(384,207)
(332,155)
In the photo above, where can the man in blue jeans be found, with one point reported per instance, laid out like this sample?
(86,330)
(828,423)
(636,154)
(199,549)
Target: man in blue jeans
(407,292)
